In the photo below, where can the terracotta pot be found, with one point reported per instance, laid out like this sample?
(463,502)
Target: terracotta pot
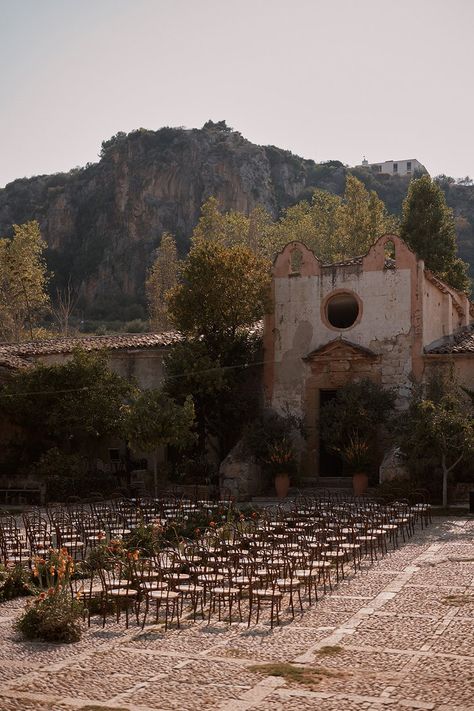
(282,485)
(360,483)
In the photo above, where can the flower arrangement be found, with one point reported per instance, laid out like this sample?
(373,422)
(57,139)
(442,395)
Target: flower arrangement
(54,614)
(357,453)
(280,457)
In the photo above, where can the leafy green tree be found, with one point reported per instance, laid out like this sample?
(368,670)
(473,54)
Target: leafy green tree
(225,387)
(154,420)
(234,228)
(223,292)
(437,432)
(316,224)
(162,277)
(69,406)
(335,228)
(223,289)
(363,218)
(23,282)
(428,227)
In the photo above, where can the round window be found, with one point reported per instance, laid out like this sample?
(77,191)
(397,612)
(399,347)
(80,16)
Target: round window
(342,310)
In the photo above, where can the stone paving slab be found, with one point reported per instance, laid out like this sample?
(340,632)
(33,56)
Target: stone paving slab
(401,636)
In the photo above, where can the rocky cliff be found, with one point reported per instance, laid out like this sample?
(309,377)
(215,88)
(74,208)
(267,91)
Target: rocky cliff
(103,222)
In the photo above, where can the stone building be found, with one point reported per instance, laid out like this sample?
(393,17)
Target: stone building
(382,316)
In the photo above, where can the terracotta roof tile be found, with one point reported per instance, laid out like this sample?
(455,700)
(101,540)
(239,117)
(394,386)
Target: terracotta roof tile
(462,342)
(90,343)
(17,352)
(12,362)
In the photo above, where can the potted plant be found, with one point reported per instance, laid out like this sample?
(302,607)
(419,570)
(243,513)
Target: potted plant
(270,439)
(358,455)
(281,462)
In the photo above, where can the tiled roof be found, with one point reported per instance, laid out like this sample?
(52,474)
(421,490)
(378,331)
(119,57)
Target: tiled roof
(89,343)
(12,362)
(345,263)
(462,342)
(16,353)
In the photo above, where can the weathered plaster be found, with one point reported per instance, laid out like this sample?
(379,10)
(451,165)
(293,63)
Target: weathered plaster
(401,309)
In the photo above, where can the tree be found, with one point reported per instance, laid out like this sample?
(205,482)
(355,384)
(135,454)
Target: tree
(233,228)
(363,219)
(23,282)
(223,292)
(335,228)
(225,387)
(316,224)
(223,289)
(68,406)
(63,307)
(437,432)
(428,227)
(154,420)
(162,277)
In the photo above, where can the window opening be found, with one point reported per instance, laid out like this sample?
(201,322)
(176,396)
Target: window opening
(342,310)
(389,255)
(296,260)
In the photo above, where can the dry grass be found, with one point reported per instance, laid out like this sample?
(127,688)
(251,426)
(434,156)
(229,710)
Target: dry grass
(329,650)
(458,600)
(307,676)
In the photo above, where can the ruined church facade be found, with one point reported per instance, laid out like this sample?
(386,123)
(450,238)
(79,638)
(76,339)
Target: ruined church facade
(382,316)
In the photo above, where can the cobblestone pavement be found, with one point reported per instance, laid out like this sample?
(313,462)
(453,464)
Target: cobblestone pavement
(398,635)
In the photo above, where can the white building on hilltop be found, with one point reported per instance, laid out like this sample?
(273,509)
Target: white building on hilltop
(396,167)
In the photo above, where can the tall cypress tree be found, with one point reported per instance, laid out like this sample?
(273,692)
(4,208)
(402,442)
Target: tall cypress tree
(428,228)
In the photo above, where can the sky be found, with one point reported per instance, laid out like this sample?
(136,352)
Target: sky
(325,79)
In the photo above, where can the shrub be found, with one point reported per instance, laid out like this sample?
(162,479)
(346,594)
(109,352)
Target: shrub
(15,582)
(54,616)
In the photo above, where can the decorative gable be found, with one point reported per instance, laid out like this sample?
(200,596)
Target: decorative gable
(340,349)
(341,361)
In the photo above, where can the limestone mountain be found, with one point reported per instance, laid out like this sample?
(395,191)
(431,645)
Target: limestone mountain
(103,222)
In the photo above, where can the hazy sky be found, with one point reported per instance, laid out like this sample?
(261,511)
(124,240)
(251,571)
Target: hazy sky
(326,79)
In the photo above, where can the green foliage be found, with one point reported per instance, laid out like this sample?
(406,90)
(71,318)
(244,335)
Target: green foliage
(15,582)
(350,421)
(54,615)
(437,432)
(52,618)
(334,227)
(428,227)
(223,289)
(162,277)
(23,282)
(224,384)
(68,405)
(281,457)
(268,430)
(155,420)
(357,453)
(115,140)
(217,126)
